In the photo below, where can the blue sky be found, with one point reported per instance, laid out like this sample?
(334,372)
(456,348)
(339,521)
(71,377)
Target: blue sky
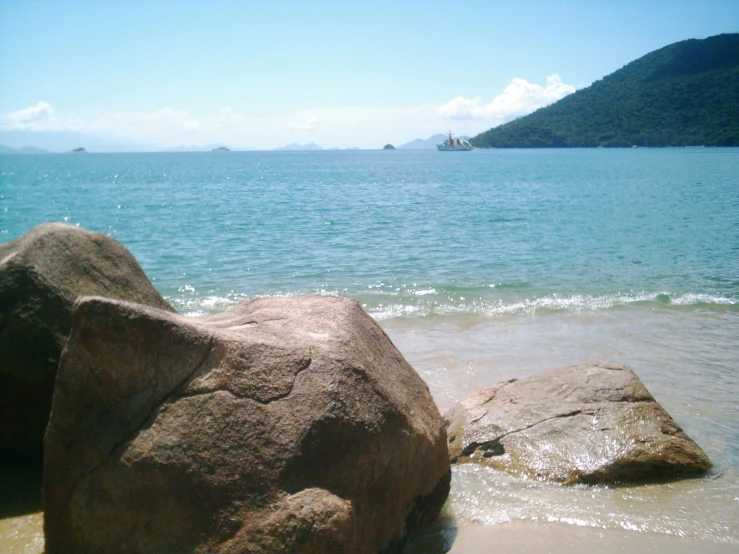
(267,73)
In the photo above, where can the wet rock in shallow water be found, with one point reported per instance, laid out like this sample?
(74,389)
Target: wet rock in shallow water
(281,425)
(42,273)
(591,423)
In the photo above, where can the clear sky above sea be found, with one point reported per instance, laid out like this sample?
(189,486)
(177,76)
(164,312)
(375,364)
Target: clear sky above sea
(267,73)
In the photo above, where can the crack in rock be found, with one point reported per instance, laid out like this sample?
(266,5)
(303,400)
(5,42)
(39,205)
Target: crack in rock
(304,366)
(494,448)
(138,426)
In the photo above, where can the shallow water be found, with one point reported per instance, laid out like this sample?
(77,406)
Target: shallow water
(687,360)
(481,266)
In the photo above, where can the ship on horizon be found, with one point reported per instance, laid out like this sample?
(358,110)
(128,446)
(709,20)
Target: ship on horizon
(454,145)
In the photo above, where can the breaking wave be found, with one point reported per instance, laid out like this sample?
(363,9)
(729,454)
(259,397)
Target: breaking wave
(385,302)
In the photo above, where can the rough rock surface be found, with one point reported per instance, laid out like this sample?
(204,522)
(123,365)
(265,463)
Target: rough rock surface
(281,425)
(591,423)
(41,275)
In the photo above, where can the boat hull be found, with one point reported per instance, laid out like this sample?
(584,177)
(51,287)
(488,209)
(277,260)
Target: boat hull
(447,148)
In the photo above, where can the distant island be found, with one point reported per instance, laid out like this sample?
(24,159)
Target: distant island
(296,146)
(79,150)
(214,147)
(388,147)
(685,94)
(22,150)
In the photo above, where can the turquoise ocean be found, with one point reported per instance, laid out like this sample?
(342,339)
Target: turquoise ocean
(481,266)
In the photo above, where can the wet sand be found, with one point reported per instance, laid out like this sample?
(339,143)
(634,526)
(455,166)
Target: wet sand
(527,537)
(22,534)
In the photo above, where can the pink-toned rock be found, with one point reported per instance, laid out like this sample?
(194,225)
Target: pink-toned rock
(281,425)
(591,423)
(42,273)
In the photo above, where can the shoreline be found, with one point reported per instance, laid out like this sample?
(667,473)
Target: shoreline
(685,359)
(561,538)
(23,534)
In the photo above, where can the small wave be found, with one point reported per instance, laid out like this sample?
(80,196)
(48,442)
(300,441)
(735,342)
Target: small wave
(548,304)
(389,302)
(424,292)
(695,299)
(189,303)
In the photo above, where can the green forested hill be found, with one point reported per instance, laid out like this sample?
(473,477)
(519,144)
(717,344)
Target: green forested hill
(686,93)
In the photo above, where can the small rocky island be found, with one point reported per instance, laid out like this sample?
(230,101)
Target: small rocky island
(388,147)
(221,149)
(79,150)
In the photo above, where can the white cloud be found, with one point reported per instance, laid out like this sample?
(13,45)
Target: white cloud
(518,98)
(41,117)
(42,111)
(38,117)
(362,126)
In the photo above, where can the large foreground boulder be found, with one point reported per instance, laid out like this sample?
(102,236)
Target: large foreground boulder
(281,425)
(592,423)
(41,275)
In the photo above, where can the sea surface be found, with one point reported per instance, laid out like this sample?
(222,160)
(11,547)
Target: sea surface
(481,266)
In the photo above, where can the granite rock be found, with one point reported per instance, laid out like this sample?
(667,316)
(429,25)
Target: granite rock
(42,273)
(280,425)
(592,423)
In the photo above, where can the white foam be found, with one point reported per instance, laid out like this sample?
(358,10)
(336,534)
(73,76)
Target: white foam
(530,306)
(422,302)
